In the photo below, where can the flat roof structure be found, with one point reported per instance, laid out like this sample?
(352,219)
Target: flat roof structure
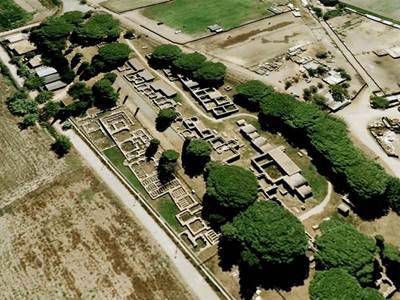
(35,61)
(165,89)
(284,161)
(45,71)
(51,78)
(56,85)
(333,77)
(146,75)
(394,52)
(22,47)
(13,38)
(136,65)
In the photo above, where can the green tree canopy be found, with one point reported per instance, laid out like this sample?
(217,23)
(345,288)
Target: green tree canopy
(113,55)
(164,55)
(189,63)
(334,284)
(250,93)
(98,28)
(29,120)
(167,165)
(165,118)
(50,110)
(232,188)
(20,104)
(196,154)
(343,246)
(393,193)
(104,94)
(266,233)
(211,74)
(62,145)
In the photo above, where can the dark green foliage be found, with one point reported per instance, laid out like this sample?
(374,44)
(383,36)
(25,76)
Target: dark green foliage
(104,94)
(211,74)
(250,93)
(165,118)
(391,259)
(328,137)
(167,165)
(152,148)
(68,76)
(62,145)
(19,104)
(196,154)
(334,284)
(73,17)
(338,92)
(29,120)
(230,190)
(109,57)
(50,110)
(266,233)
(110,77)
(33,82)
(379,102)
(372,294)
(98,28)
(11,15)
(393,193)
(81,91)
(44,96)
(189,63)
(164,55)
(343,246)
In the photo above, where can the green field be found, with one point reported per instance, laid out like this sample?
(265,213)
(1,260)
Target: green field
(389,9)
(193,16)
(120,6)
(12,15)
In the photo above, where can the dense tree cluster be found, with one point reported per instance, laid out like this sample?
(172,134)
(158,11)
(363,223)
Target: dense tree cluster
(328,137)
(165,118)
(230,190)
(250,93)
(390,255)
(104,94)
(343,246)
(195,155)
(110,56)
(193,65)
(187,64)
(167,165)
(98,28)
(338,284)
(266,234)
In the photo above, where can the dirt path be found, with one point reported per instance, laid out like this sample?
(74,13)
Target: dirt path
(320,207)
(189,274)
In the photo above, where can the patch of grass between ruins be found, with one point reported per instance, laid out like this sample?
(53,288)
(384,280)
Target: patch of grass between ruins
(117,159)
(168,210)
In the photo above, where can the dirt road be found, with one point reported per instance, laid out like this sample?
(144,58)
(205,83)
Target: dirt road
(189,274)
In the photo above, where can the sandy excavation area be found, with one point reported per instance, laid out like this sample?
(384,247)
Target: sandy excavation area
(363,36)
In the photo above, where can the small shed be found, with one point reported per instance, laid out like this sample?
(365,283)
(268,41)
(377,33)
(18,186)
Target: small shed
(56,85)
(215,28)
(136,65)
(343,209)
(45,71)
(35,62)
(22,47)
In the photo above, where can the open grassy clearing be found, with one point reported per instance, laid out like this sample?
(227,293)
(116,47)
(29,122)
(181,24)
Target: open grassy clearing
(26,160)
(12,15)
(120,6)
(194,16)
(389,9)
(117,158)
(168,210)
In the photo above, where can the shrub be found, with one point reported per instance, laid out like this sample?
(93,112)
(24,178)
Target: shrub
(379,102)
(62,145)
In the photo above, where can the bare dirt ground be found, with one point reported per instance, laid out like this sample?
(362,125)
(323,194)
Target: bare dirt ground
(362,36)
(26,162)
(64,235)
(263,41)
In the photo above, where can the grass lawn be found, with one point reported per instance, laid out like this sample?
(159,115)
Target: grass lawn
(193,16)
(12,15)
(117,158)
(120,6)
(168,210)
(389,9)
